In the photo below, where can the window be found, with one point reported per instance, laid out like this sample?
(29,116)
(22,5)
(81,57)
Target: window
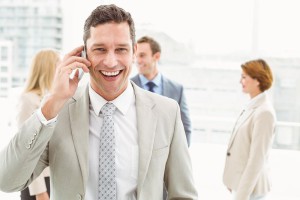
(3,80)
(3,69)
(4,53)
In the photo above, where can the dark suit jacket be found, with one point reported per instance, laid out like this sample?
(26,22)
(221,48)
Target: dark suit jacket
(174,91)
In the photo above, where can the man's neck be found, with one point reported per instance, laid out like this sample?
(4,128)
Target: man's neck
(150,77)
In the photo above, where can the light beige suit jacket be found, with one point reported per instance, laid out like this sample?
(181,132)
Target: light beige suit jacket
(27,104)
(162,154)
(246,167)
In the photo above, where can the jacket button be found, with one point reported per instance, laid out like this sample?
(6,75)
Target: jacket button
(79,197)
(228,153)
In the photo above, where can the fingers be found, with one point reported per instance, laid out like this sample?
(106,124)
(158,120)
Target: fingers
(64,85)
(69,68)
(77,77)
(72,60)
(74,52)
(82,63)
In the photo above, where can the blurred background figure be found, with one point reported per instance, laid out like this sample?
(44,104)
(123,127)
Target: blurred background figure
(38,83)
(246,168)
(149,78)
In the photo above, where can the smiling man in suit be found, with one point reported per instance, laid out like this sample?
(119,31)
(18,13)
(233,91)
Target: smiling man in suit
(149,78)
(108,140)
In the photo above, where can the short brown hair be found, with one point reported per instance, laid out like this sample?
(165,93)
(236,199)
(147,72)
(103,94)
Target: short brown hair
(154,45)
(106,14)
(259,70)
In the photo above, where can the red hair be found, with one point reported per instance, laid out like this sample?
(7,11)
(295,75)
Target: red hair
(259,70)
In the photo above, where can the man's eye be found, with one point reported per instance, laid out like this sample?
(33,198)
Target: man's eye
(122,50)
(100,49)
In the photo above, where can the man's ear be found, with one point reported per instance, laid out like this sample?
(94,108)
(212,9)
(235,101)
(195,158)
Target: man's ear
(134,48)
(157,56)
(134,51)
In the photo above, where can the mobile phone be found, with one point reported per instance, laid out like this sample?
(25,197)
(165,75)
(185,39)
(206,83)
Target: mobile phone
(81,72)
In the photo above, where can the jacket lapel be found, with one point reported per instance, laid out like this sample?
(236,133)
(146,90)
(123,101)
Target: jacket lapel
(165,87)
(137,80)
(146,125)
(79,118)
(245,115)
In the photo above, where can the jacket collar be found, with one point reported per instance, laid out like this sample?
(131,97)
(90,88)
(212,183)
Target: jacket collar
(79,119)
(246,113)
(146,126)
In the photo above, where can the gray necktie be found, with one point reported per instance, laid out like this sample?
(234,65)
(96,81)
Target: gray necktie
(107,165)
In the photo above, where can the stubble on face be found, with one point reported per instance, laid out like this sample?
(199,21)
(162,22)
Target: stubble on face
(146,61)
(111,54)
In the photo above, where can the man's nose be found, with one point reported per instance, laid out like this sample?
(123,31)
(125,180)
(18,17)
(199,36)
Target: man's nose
(138,59)
(110,60)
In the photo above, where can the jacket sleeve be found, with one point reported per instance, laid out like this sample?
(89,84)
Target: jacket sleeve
(38,186)
(185,116)
(27,104)
(178,173)
(261,143)
(26,156)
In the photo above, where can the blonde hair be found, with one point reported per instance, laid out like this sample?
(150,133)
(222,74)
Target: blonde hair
(42,71)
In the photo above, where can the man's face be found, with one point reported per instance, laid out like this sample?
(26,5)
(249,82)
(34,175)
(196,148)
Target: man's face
(146,61)
(110,51)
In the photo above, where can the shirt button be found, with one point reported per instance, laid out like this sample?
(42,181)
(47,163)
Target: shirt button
(228,153)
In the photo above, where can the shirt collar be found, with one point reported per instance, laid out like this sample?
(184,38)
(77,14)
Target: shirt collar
(122,102)
(157,80)
(255,99)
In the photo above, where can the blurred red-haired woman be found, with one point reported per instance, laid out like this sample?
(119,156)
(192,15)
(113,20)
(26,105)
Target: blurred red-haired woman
(246,167)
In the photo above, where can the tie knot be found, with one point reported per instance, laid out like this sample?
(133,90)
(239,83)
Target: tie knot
(150,85)
(108,109)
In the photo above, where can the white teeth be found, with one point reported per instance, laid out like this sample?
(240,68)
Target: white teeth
(110,73)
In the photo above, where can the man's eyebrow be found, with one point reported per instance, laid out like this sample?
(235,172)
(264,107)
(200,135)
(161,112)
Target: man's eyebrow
(119,45)
(123,45)
(97,45)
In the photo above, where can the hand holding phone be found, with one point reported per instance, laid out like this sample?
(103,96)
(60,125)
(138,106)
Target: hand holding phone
(79,69)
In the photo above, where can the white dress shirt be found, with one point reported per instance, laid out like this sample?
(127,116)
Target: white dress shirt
(127,153)
(158,89)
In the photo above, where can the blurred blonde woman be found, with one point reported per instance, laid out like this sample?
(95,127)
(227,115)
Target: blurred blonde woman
(246,167)
(39,82)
